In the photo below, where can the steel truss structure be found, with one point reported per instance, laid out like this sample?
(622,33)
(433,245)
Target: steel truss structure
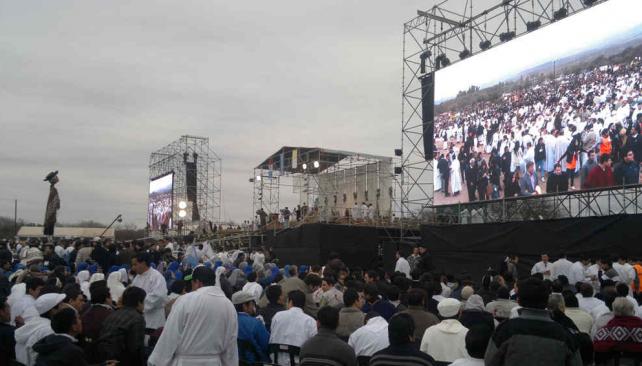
(327,181)
(174,158)
(453,30)
(573,204)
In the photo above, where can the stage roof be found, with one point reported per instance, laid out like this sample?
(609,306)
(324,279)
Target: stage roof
(308,155)
(61,232)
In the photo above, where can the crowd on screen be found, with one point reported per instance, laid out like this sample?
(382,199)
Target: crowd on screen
(561,130)
(167,302)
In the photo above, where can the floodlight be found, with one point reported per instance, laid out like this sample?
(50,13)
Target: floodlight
(589,2)
(465,53)
(182,205)
(305,166)
(507,36)
(258,178)
(560,14)
(316,164)
(531,26)
(182,213)
(484,45)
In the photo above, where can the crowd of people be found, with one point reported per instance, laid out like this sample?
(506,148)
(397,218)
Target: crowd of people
(581,130)
(166,302)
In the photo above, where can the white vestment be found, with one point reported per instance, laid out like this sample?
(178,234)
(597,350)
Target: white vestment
(201,330)
(156,289)
(455,176)
(549,144)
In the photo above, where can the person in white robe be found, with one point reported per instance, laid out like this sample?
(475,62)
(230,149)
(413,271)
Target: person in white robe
(436,176)
(115,285)
(549,143)
(155,286)
(455,177)
(292,327)
(201,329)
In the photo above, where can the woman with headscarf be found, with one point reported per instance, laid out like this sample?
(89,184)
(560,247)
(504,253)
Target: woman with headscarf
(83,280)
(115,285)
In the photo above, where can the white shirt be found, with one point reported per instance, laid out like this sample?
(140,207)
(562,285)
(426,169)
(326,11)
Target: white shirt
(577,273)
(562,267)
(468,362)
(446,341)
(541,267)
(403,266)
(588,303)
(371,338)
(582,319)
(25,308)
(255,289)
(292,327)
(201,330)
(156,288)
(29,334)
(259,258)
(625,272)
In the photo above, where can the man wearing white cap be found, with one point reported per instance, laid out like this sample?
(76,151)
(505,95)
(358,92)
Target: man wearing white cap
(446,341)
(251,330)
(36,329)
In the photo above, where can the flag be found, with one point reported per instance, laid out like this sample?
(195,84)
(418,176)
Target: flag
(295,164)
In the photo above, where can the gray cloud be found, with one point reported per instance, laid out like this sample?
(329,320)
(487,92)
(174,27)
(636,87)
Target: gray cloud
(92,87)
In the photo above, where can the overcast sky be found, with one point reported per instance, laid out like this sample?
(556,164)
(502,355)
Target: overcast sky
(91,87)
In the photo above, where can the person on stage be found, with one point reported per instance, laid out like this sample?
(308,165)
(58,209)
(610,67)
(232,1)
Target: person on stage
(53,203)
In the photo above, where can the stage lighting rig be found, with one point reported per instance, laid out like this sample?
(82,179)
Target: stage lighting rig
(442,61)
(182,205)
(560,14)
(304,166)
(531,26)
(484,45)
(464,54)
(316,165)
(182,213)
(589,2)
(507,36)
(258,178)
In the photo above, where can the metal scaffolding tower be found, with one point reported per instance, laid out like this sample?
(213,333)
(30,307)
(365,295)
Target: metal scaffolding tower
(175,158)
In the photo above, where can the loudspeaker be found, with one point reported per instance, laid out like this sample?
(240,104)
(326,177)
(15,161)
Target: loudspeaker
(428,113)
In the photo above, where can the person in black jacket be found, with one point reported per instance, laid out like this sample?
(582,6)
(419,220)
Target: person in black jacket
(472,176)
(443,165)
(628,171)
(505,165)
(540,157)
(557,181)
(7,340)
(60,348)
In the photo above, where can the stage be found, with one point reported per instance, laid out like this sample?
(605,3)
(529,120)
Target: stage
(462,250)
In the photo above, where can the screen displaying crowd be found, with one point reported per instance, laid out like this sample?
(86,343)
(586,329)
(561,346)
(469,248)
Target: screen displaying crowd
(180,302)
(537,122)
(159,212)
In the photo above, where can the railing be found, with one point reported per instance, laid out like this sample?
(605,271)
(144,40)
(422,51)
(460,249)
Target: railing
(585,203)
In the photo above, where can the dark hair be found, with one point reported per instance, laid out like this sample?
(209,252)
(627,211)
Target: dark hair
(292,271)
(298,298)
(177,287)
(32,283)
(392,292)
(328,317)
(350,296)
(273,293)
(144,257)
(3,302)
(329,280)
(557,165)
(570,300)
(400,329)
(416,297)
(604,158)
(477,339)
(372,274)
(133,296)
(622,289)
(609,295)
(312,280)
(204,275)
(371,291)
(72,292)
(532,293)
(63,320)
(586,290)
(99,294)
(503,293)
(251,277)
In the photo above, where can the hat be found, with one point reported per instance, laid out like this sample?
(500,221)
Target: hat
(47,302)
(50,176)
(96,239)
(448,308)
(242,297)
(33,255)
(466,292)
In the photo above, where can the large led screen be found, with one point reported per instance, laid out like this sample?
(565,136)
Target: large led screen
(537,114)
(159,212)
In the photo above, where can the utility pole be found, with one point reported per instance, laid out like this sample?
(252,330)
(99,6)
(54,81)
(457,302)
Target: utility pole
(15,217)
